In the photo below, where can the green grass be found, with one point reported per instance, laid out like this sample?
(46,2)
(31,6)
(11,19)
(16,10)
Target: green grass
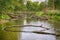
(4,16)
(39,13)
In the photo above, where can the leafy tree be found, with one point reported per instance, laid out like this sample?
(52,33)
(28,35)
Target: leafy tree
(10,6)
(32,6)
(42,5)
(55,3)
(6,6)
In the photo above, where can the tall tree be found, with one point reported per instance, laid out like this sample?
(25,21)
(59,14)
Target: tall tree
(10,5)
(6,6)
(54,3)
(32,6)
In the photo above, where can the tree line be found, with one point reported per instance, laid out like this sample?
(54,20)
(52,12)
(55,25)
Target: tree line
(7,6)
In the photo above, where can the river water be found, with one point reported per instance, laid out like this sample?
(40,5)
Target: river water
(35,36)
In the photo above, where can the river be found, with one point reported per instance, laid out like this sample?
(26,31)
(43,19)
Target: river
(28,35)
(30,30)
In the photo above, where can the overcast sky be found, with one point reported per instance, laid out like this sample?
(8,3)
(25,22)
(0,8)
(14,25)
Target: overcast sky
(38,0)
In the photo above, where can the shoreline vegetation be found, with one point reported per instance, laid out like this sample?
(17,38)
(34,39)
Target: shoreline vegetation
(39,15)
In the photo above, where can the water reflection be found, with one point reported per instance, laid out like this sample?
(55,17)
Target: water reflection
(35,36)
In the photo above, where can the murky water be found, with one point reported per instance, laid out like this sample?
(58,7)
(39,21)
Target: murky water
(35,36)
(34,27)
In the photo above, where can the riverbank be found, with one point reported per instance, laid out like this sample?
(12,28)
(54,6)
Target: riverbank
(38,15)
(3,21)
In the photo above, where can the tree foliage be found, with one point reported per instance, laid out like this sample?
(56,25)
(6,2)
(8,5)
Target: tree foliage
(55,3)
(34,6)
(10,5)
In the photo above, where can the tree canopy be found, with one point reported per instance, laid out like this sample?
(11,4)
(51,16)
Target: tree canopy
(7,6)
(10,5)
(55,3)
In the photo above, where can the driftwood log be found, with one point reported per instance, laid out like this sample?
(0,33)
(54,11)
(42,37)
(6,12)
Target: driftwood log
(37,32)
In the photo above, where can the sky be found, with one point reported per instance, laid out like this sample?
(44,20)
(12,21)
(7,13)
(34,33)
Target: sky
(38,0)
